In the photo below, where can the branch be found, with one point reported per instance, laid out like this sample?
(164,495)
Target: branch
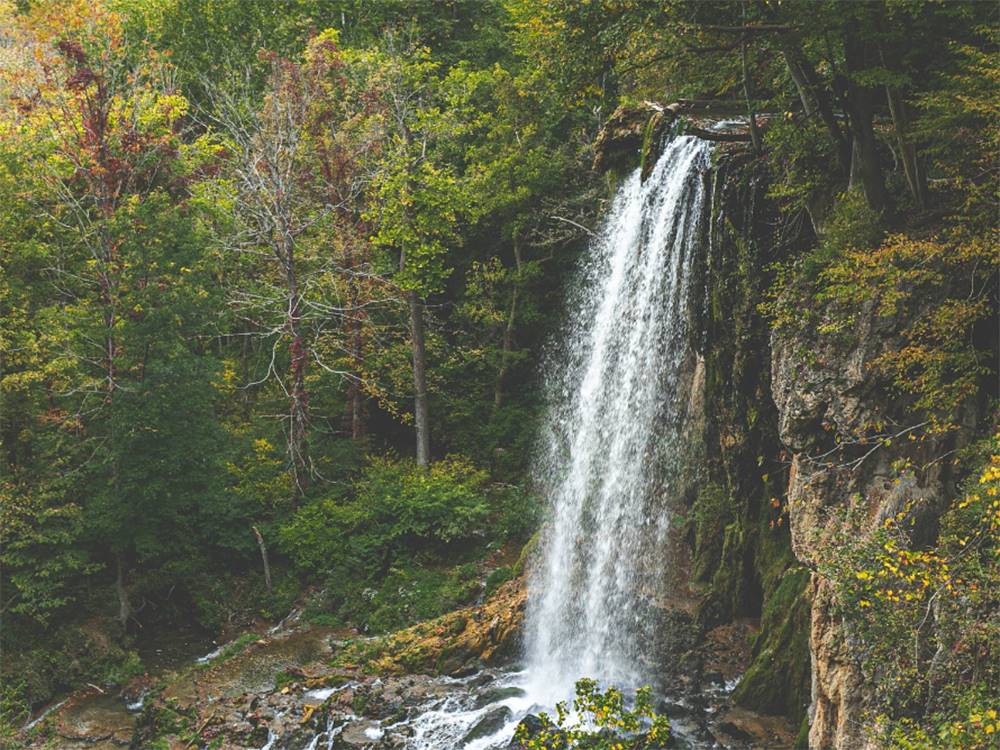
(575,224)
(717,135)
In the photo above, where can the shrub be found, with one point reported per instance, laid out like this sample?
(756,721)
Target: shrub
(603,722)
(399,512)
(925,619)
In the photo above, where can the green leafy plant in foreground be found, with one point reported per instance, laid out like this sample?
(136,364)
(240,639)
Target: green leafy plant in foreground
(602,722)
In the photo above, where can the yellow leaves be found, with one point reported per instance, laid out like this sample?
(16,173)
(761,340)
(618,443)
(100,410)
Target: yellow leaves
(262,448)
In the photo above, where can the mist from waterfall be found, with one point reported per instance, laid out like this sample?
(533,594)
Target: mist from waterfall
(611,433)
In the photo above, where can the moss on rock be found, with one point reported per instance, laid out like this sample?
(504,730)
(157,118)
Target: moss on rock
(777,681)
(451,644)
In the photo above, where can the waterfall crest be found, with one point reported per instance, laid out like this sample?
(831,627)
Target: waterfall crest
(611,432)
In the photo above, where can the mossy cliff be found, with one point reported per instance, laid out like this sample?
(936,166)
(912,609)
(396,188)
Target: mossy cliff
(737,525)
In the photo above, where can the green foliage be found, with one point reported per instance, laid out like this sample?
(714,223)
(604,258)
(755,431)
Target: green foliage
(958,116)
(804,155)
(14,710)
(908,281)
(792,301)
(384,551)
(602,721)
(911,280)
(223,600)
(405,596)
(400,511)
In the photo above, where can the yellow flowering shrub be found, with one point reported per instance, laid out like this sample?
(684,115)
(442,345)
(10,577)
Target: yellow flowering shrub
(602,721)
(924,619)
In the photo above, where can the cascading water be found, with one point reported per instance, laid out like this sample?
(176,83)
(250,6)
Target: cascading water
(611,433)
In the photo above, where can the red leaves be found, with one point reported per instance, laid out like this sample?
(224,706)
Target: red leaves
(72,50)
(81,79)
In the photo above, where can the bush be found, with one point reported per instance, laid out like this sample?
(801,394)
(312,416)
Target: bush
(386,552)
(924,619)
(230,599)
(400,512)
(603,722)
(14,709)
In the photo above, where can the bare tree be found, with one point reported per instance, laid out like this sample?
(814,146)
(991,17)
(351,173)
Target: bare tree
(294,187)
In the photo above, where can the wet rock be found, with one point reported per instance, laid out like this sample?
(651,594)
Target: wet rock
(483,678)
(754,730)
(495,695)
(491,723)
(360,734)
(714,678)
(95,717)
(672,709)
(730,729)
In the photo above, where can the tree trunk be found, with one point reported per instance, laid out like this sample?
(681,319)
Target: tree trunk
(807,80)
(355,396)
(299,398)
(263,558)
(124,606)
(915,178)
(421,418)
(758,145)
(355,334)
(860,113)
(508,333)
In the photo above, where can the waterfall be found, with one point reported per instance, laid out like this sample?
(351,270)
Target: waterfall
(611,433)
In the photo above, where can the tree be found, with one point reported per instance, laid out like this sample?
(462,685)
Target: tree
(415,200)
(296,187)
(128,296)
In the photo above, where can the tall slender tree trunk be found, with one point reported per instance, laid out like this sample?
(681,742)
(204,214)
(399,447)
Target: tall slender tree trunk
(298,396)
(812,90)
(355,334)
(124,605)
(758,144)
(860,113)
(508,332)
(263,558)
(915,179)
(421,416)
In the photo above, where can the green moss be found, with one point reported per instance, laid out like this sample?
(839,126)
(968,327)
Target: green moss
(777,681)
(802,738)
(648,153)
(711,511)
(526,553)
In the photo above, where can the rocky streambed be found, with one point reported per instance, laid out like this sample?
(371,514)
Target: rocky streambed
(446,684)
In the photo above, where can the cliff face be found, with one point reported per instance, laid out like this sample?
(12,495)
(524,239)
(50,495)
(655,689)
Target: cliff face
(742,562)
(823,390)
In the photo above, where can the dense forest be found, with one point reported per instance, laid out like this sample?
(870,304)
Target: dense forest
(280,279)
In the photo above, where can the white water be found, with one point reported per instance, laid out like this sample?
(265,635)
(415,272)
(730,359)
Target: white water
(611,433)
